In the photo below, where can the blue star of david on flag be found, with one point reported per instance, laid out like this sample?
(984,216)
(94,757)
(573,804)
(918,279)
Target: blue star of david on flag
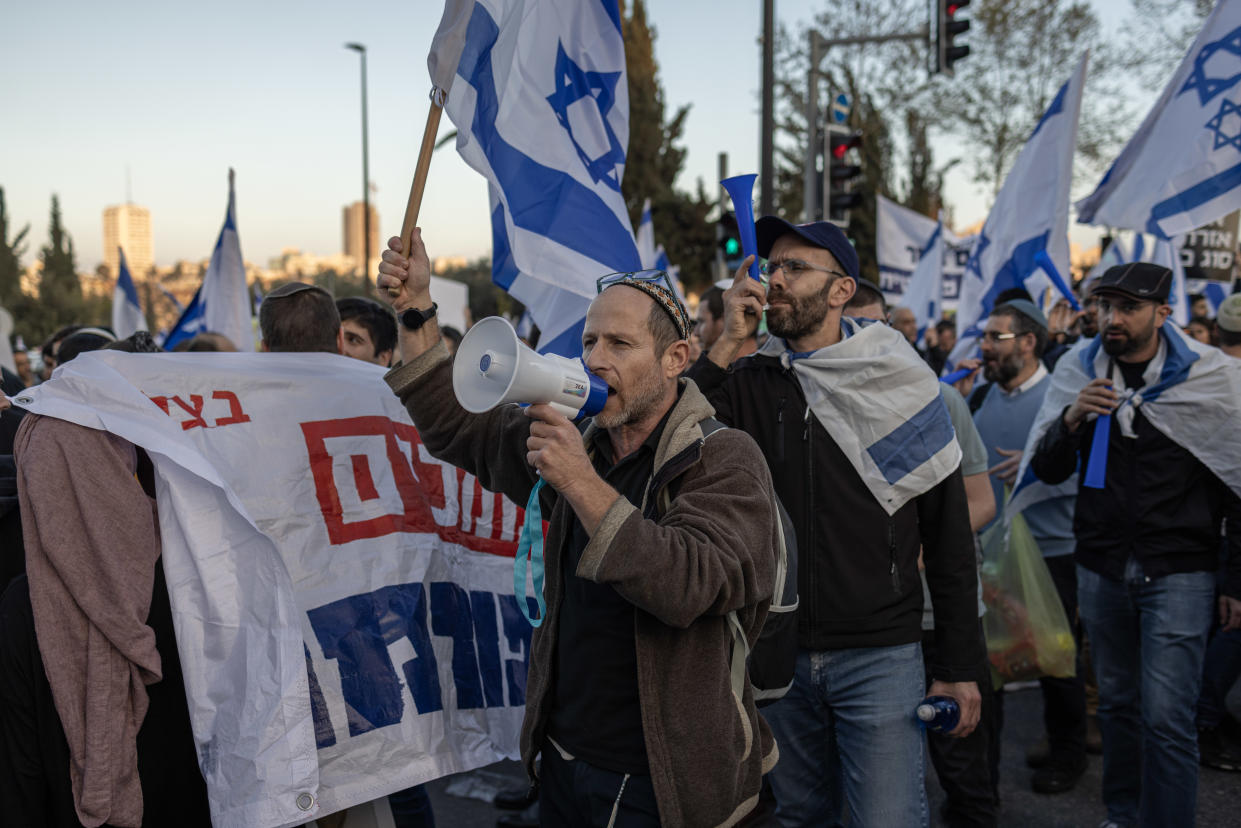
(1216,125)
(1208,87)
(972,265)
(574,84)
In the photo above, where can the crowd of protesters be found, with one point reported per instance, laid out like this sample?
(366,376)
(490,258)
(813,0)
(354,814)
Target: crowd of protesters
(794,413)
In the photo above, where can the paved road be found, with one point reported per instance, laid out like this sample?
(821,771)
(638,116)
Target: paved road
(1219,793)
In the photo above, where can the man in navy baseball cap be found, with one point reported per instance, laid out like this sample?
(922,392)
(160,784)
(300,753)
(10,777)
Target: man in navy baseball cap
(816,398)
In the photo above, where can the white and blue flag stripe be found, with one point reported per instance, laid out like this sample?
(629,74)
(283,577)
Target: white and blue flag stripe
(540,101)
(882,405)
(1182,168)
(1030,216)
(127,315)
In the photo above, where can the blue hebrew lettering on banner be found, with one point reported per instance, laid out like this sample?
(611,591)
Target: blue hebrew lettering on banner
(356,632)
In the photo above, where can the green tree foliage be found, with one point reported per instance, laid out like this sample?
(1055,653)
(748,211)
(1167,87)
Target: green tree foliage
(654,159)
(11,251)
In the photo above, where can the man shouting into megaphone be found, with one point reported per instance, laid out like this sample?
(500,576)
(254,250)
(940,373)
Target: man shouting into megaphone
(663,540)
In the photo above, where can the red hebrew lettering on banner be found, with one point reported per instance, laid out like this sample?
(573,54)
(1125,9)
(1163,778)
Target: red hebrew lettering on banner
(361,460)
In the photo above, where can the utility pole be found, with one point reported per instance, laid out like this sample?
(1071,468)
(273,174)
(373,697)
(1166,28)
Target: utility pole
(366,172)
(812,200)
(766,191)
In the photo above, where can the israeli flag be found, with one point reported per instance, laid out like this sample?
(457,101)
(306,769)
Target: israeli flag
(1190,396)
(191,323)
(225,299)
(646,238)
(1030,216)
(925,293)
(1114,255)
(176,303)
(1167,252)
(901,236)
(1192,137)
(127,316)
(538,93)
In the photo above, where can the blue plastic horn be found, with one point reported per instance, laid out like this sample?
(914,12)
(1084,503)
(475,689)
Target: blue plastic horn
(741,191)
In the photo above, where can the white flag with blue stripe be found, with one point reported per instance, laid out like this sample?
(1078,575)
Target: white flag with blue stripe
(646,237)
(225,299)
(1112,256)
(1190,395)
(925,292)
(1030,216)
(882,405)
(1182,168)
(538,93)
(1167,252)
(189,325)
(901,237)
(127,317)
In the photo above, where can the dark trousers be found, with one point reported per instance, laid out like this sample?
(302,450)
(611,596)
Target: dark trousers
(1221,668)
(1064,699)
(576,794)
(969,768)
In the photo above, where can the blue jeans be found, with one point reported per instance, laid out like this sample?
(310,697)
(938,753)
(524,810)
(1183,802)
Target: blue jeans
(847,733)
(1147,638)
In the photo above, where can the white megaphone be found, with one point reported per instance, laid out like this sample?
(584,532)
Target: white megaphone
(493,367)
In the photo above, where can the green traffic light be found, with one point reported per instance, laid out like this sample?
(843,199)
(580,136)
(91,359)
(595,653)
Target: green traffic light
(731,247)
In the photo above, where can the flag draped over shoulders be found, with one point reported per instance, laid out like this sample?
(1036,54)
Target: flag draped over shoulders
(882,405)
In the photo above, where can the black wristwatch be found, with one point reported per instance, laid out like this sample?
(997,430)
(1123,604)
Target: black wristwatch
(412,319)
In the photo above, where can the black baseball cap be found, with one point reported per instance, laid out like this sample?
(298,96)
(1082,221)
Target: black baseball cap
(1143,281)
(822,234)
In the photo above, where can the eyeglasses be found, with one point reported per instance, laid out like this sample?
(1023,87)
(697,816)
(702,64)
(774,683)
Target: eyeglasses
(653,275)
(1125,306)
(993,337)
(794,268)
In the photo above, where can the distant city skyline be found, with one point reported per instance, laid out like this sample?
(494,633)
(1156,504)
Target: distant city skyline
(180,94)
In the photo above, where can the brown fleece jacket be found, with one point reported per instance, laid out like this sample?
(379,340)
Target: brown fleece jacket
(711,551)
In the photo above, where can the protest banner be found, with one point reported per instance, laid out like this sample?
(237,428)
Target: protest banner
(902,236)
(342,600)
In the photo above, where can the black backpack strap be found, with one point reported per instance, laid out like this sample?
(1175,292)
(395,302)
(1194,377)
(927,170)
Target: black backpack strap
(977,396)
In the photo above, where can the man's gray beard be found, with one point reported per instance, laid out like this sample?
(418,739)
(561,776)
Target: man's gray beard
(647,397)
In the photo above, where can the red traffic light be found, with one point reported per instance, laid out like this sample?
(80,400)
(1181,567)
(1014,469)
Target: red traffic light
(842,143)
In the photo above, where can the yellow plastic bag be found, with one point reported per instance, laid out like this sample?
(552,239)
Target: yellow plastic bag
(1028,634)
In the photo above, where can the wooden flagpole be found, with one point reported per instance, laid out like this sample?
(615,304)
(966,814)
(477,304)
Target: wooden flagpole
(420,177)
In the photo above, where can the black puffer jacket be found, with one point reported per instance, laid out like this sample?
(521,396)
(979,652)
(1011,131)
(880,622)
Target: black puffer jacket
(1159,504)
(858,568)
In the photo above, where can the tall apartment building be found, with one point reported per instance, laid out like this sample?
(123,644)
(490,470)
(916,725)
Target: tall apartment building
(354,233)
(128,226)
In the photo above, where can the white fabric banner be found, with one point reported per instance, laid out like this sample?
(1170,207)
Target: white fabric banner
(901,238)
(343,601)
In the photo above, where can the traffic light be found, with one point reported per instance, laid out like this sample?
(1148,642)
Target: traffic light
(947,28)
(843,173)
(729,240)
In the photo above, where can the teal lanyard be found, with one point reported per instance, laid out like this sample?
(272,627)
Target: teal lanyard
(531,543)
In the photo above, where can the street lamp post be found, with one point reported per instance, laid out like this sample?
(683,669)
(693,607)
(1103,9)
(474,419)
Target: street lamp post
(366,173)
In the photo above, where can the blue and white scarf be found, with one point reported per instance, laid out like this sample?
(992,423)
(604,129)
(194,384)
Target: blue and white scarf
(882,405)
(1192,394)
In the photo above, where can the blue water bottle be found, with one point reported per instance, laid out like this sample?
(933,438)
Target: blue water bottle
(939,713)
